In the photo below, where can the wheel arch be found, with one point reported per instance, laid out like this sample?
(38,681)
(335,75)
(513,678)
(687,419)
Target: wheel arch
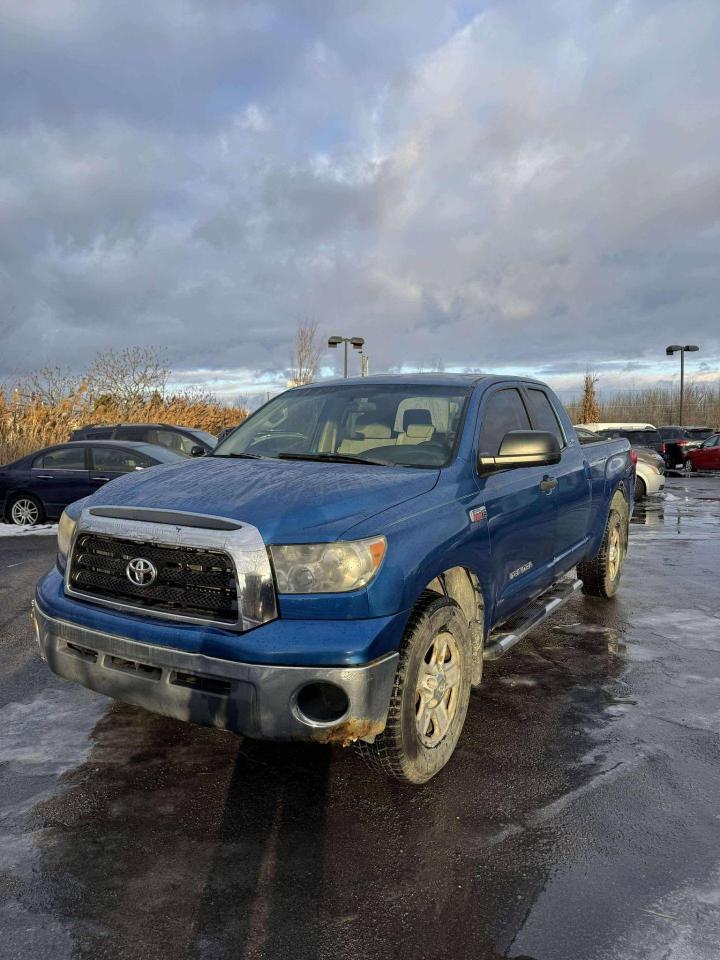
(13,495)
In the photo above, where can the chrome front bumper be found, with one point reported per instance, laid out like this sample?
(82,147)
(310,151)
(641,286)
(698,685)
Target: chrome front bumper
(251,699)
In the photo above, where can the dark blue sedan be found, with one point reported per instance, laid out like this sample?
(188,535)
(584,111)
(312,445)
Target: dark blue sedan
(39,487)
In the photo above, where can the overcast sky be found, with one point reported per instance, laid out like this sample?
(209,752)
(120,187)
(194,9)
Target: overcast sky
(502,185)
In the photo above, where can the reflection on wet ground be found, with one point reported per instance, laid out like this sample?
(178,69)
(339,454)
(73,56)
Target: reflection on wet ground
(577,820)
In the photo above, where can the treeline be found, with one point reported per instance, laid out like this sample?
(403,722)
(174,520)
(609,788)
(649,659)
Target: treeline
(128,386)
(657,405)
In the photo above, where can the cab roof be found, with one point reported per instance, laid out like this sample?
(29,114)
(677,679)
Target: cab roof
(465,380)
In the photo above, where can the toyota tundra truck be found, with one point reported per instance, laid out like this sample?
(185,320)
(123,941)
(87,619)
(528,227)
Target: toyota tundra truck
(342,565)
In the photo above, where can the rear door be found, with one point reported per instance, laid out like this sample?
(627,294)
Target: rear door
(520,514)
(573,494)
(107,463)
(60,476)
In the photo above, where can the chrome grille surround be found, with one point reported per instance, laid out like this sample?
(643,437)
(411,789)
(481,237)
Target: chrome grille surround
(241,542)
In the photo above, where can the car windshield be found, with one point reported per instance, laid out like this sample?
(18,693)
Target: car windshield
(638,438)
(408,425)
(161,454)
(673,433)
(206,437)
(699,433)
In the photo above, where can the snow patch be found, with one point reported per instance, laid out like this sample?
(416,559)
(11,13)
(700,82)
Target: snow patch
(11,530)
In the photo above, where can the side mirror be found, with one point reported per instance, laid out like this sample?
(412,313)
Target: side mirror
(197,451)
(523,448)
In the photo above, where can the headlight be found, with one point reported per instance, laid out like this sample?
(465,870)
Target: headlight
(327,567)
(66,528)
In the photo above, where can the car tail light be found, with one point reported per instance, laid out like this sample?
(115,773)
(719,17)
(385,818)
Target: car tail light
(662,448)
(682,443)
(633,458)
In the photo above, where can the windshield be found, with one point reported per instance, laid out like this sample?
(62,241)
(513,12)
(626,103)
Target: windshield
(204,436)
(161,454)
(699,433)
(406,425)
(638,438)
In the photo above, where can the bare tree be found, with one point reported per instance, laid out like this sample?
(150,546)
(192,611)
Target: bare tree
(51,385)
(130,377)
(589,407)
(306,354)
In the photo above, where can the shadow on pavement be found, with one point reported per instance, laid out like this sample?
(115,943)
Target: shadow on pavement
(184,842)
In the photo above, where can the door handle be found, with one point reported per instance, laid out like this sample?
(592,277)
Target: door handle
(548,483)
(98,479)
(45,476)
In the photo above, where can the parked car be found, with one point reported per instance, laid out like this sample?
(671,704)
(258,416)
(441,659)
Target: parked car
(39,486)
(339,569)
(676,439)
(706,456)
(639,434)
(649,466)
(183,440)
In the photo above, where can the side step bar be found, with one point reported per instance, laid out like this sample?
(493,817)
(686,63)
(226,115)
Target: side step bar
(529,617)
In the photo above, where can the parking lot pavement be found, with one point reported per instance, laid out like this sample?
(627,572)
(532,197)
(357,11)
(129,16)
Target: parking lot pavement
(578,821)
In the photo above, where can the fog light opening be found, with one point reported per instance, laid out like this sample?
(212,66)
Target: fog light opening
(321,703)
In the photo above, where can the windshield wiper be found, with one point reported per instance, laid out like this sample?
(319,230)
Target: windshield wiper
(332,458)
(240,456)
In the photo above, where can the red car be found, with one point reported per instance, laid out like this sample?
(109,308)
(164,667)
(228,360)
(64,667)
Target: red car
(706,456)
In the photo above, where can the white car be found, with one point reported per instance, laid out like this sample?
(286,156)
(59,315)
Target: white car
(649,469)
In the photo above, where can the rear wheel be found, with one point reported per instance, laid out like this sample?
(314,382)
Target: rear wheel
(601,575)
(26,511)
(640,489)
(430,695)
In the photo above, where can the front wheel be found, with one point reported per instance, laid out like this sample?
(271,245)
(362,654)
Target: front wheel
(640,489)
(689,466)
(601,574)
(430,695)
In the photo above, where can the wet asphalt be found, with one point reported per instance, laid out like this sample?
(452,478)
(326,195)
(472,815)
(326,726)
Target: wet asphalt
(578,820)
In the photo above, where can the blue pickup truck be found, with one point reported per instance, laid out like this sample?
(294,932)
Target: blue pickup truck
(341,566)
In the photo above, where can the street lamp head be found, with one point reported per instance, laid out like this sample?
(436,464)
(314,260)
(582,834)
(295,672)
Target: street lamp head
(691,347)
(673,348)
(357,342)
(334,341)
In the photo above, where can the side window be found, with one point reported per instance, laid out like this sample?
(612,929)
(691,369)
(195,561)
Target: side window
(66,458)
(543,415)
(504,411)
(138,434)
(174,441)
(107,458)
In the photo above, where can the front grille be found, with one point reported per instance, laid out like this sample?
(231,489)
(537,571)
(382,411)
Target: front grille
(190,582)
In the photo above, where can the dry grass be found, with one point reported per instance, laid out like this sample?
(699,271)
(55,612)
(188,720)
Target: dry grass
(28,423)
(657,405)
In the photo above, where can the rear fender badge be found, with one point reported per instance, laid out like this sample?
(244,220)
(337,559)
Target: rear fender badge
(477,514)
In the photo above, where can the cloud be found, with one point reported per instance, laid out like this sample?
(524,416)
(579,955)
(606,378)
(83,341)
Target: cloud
(493,185)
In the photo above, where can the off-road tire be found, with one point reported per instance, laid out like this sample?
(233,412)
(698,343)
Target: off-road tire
(640,489)
(12,511)
(399,752)
(601,575)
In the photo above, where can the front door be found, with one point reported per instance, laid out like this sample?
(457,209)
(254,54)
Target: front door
(520,509)
(108,462)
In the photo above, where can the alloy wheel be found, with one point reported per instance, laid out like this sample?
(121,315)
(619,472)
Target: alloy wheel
(438,687)
(24,512)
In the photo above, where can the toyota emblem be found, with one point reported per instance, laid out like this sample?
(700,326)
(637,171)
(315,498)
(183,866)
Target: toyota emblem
(141,572)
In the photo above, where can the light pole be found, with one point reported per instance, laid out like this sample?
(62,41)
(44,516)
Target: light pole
(357,342)
(678,348)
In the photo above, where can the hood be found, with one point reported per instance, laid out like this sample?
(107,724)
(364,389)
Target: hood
(289,501)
